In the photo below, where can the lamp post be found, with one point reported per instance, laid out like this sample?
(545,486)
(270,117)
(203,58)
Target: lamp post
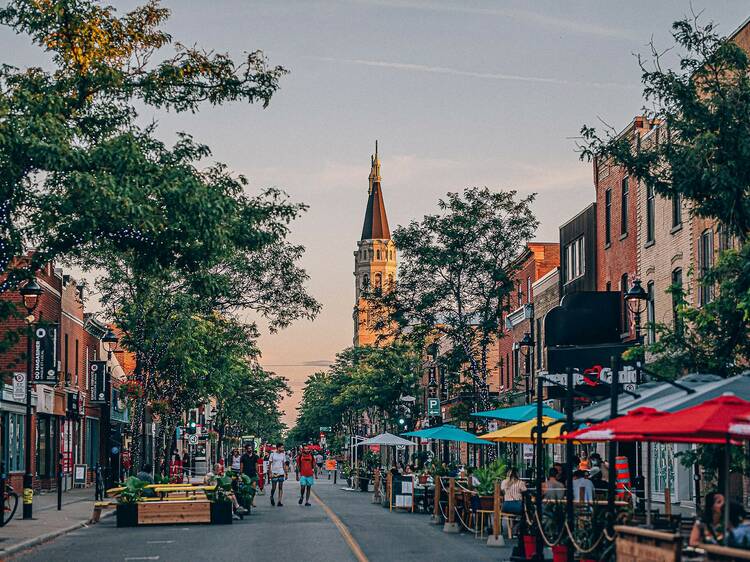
(30,293)
(109,341)
(527,343)
(636,299)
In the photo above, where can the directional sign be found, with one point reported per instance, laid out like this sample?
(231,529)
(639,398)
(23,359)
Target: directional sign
(325,429)
(433,406)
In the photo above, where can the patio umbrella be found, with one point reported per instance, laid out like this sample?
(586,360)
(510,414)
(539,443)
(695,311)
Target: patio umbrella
(387,439)
(519,413)
(706,423)
(446,432)
(521,433)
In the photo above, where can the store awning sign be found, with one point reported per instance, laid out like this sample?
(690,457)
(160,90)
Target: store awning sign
(97,382)
(45,355)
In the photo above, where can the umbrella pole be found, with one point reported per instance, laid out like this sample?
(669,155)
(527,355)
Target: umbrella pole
(648,484)
(726,490)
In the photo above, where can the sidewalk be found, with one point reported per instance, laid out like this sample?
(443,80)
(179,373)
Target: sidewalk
(48,523)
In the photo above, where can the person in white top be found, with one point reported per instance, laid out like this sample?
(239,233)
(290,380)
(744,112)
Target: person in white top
(513,488)
(234,459)
(580,482)
(278,471)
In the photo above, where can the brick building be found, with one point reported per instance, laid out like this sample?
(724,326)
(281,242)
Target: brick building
(64,425)
(616,222)
(535,261)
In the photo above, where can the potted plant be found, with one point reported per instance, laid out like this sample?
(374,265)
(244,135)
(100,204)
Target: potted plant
(485,488)
(127,502)
(221,503)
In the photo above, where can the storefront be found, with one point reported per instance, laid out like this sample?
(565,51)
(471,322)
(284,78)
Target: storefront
(13,435)
(46,444)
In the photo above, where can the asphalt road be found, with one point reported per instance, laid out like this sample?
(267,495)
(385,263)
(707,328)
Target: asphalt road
(291,532)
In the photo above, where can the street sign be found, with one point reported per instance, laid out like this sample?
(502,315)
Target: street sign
(528,452)
(97,382)
(45,355)
(193,439)
(325,429)
(19,387)
(433,406)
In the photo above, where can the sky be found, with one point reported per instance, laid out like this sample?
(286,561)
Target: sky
(457,92)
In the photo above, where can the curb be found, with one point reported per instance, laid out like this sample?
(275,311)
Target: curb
(10,551)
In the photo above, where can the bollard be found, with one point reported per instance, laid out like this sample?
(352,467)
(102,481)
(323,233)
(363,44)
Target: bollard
(496,538)
(436,502)
(335,474)
(451,526)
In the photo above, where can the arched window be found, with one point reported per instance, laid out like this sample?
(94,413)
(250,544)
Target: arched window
(365,281)
(378,280)
(378,254)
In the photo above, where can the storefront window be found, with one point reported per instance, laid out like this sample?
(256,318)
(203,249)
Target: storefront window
(662,456)
(92,442)
(14,438)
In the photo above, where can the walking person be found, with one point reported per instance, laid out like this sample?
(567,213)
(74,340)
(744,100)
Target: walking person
(308,471)
(234,460)
(249,465)
(278,470)
(319,461)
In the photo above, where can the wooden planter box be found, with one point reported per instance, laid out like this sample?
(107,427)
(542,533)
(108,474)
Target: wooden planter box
(171,512)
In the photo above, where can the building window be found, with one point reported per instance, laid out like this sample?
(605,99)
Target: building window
(677,298)
(625,192)
(676,210)
(365,281)
(706,260)
(625,311)
(650,313)
(13,451)
(378,280)
(519,293)
(574,259)
(75,383)
(725,239)
(608,216)
(508,375)
(650,213)
(608,286)
(378,254)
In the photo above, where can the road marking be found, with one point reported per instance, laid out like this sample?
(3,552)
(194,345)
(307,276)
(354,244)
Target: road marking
(159,542)
(141,558)
(348,538)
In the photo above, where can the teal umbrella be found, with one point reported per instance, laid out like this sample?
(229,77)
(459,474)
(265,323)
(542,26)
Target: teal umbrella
(447,432)
(519,413)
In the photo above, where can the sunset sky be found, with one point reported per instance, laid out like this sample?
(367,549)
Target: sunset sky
(457,92)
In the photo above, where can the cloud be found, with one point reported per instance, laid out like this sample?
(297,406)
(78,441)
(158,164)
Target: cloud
(572,26)
(413,67)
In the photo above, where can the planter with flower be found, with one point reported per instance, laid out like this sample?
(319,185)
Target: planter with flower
(485,487)
(132,389)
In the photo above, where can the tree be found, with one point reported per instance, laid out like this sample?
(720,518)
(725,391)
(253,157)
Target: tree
(702,113)
(77,172)
(456,274)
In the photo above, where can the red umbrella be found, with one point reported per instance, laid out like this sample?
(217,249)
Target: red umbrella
(740,427)
(629,427)
(705,423)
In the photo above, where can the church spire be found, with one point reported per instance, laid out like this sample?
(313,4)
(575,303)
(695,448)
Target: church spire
(376,221)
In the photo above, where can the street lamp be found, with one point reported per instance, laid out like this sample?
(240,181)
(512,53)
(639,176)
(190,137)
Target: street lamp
(526,346)
(109,341)
(30,294)
(636,300)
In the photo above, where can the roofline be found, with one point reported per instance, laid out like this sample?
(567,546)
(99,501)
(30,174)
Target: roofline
(742,26)
(570,220)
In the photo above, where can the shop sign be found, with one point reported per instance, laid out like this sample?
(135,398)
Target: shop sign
(528,452)
(97,382)
(593,377)
(45,355)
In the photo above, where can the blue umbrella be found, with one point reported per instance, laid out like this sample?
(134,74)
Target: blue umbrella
(519,413)
(447,432)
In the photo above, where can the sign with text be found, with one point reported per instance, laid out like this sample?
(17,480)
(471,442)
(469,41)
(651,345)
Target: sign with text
(45,355)
(433,407)
(590,380)
(19,387)
(97,382)
(74,404)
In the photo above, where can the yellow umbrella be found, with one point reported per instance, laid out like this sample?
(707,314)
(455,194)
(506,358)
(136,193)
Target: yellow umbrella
(521,433)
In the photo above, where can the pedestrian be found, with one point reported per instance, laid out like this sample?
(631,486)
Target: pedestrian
(278,471)
(584,463)
(596,478)
(513,488)
(561,475)
(234,460)
(308,471)
(580,482)
(249,465)
(596,460)
(318,461)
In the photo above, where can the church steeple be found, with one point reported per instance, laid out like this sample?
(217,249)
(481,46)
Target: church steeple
(376,220)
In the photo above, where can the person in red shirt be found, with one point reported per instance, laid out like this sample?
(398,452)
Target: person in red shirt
(307,473)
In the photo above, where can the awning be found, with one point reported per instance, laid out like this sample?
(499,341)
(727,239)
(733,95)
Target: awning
(625,428)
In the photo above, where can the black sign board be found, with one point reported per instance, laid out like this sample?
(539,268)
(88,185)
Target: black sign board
(45,355)
(97,382)
(74,404)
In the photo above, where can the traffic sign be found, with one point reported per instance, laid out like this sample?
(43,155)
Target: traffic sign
(325,429)
(433,406)
(193,439)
